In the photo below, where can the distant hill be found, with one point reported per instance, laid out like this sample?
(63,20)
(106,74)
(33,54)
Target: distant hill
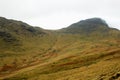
(86,50)
(92,27)
(18,27)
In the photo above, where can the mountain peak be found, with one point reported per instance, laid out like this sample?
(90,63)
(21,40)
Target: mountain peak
(91,23)
(88,26)
(94,21)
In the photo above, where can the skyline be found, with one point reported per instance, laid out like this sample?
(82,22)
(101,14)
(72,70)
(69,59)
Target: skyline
(55,14)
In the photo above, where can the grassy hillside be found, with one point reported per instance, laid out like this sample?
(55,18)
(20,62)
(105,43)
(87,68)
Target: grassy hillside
(87,50)
(22,44)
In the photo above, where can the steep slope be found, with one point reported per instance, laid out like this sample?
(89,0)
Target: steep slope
(86,50)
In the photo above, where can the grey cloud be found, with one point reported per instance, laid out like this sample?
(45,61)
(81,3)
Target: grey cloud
(41,10)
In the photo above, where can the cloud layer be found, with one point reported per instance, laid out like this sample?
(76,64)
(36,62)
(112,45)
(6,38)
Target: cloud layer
(55,14)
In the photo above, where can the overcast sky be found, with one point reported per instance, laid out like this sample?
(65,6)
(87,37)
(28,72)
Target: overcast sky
(56,14)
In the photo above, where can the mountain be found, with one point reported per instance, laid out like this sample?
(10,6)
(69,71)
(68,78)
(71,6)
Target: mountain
(86,50)
(91,27)
(18,39)
(18,27)
(88,26)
